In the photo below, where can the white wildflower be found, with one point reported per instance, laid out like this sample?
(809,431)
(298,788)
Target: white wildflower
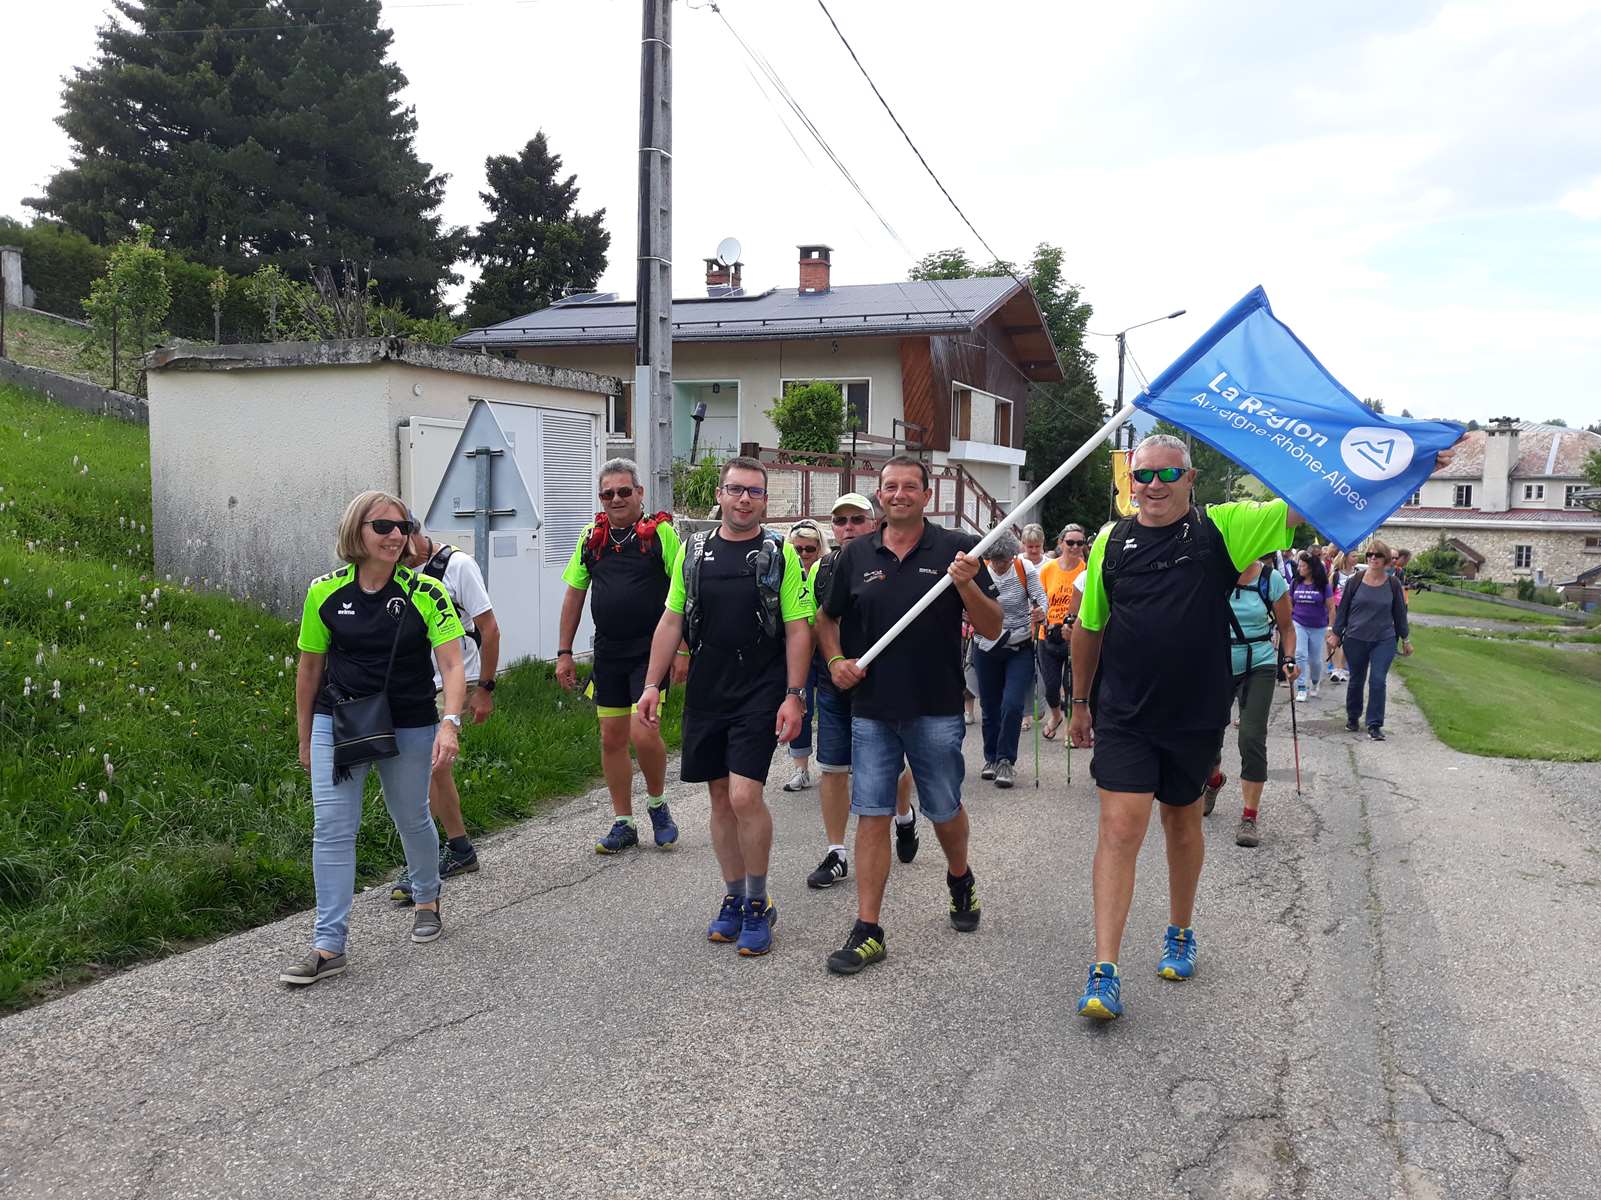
(74,460)
(166,627)
(103,797)
(38,659)
(82,708)
(191,665)
(155,595)
(180,666)
(55,648)
(49,592)
(27,681)
(69,605)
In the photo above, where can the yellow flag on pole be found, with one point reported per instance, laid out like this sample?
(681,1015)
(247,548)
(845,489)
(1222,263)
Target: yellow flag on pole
(1122,483)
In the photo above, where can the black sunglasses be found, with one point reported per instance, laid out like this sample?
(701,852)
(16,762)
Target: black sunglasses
(622,493)
(383,527)
(1165,474)
(855,519)
(1073,542)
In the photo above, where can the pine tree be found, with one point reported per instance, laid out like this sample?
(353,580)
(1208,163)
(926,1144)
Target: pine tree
(249,134)
(535,246)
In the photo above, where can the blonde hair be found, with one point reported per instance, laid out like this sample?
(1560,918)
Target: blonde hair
(1378,547)
(806,527)
(351,548)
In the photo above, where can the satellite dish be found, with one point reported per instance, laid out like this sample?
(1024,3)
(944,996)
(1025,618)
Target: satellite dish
(728,251)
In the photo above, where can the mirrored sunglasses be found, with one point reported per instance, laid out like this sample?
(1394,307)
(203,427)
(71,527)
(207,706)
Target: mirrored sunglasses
(622,493)
(1165,474)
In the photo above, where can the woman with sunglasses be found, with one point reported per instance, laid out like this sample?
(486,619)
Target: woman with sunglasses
(1057,577)
(810,545)
(1368,623)
(374,626)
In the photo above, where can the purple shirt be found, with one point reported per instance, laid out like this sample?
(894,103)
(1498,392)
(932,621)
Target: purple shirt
(1309,605)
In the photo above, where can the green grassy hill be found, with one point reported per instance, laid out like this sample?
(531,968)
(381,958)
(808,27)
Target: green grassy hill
(149,791)
(37,341)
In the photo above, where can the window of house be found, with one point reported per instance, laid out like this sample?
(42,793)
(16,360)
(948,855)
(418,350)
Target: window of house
(1592,545)
(1534,491)
(1522,557)
(1415,498)
(961,414)
(619,414)
(857,394)
(1003,422)
(1464,495)
(1570,497)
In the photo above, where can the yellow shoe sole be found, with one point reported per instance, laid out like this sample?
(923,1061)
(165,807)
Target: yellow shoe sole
(1098,1011)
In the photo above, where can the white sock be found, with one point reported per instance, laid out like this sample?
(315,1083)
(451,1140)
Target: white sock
(908,818)
(840,850)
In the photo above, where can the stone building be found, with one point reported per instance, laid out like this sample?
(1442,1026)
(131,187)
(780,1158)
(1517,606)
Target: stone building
(1509,503)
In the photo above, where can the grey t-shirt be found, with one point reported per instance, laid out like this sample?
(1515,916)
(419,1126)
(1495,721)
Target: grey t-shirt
(1372,619)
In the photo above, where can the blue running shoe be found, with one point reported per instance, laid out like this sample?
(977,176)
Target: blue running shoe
(756,935)
(1178,953)
(618,838)
(1101,999)
(666,828)
(726,928)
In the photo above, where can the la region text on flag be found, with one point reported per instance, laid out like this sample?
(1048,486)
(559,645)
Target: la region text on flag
(1252,390)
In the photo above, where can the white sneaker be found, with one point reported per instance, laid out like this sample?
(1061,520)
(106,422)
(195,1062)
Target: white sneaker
(1314,691)
(1300,696)
(799,783)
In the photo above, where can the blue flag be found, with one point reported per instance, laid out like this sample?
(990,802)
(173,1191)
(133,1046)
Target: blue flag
(1251,390)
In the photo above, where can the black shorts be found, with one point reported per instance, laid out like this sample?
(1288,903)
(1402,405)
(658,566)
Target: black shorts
(716,745)
(1173,766)
(616,682)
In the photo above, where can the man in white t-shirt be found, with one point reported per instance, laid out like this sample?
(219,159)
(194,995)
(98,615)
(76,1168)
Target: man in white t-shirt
(480,654)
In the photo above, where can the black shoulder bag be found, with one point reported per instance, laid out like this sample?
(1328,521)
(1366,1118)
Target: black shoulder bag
(364,728)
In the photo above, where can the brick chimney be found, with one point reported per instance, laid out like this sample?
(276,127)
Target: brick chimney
(722,278)
(1500,457)
(814,267)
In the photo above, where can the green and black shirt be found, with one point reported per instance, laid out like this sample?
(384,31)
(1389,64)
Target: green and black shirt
(629,590)
(355,630)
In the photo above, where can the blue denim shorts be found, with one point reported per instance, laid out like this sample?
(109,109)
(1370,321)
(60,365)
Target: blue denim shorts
(833,732)
(931,746)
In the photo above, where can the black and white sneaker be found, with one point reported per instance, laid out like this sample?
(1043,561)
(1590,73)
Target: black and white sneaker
(988,772)
(1004,774)
(1375,733)
(1352,727)
(314,969)
(830,871)
(906,839)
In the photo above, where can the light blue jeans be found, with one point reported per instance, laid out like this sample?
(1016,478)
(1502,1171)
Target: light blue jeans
(1310,649)
(338,816)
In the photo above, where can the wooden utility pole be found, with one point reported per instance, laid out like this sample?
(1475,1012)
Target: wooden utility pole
(653,304)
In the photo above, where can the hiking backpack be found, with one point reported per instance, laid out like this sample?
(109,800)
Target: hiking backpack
(434,568)
(769,582)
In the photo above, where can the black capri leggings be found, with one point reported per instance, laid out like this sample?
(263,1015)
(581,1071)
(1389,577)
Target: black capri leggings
(1056,671)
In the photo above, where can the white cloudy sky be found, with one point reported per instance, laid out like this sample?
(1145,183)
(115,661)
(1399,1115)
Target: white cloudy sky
(1417,185)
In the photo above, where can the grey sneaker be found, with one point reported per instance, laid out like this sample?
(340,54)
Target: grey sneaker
(1003,773)
(1247,834)
(425,925)
(799,782)
(314,969)
(988,772)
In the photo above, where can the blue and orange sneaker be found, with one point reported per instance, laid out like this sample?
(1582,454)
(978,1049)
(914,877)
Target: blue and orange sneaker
(1178,953)
(756,933)
(1100,999)
(666,829)
(729,919)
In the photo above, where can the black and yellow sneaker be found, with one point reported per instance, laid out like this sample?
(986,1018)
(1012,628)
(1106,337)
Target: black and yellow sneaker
(964,901)
(862,948)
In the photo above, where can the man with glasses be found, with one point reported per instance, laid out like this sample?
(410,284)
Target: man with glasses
(907,706)
(738,597)
(852,518)
(1152,641)
(626,558)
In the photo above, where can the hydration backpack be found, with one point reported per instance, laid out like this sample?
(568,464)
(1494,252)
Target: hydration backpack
(769,581)
(598,539)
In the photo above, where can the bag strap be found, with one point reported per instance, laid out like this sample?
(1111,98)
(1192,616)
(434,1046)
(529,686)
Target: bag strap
(394,646)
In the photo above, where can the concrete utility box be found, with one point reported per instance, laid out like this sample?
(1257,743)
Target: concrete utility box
(255,450)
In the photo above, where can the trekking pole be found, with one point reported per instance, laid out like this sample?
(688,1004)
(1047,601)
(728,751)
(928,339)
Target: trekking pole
(1036,739)
(1295,732)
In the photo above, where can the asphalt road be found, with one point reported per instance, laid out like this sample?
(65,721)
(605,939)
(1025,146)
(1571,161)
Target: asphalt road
(1396,997)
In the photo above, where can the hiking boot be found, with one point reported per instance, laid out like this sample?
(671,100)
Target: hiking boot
(1375,733)
(619,837)
(1214,785)
(830,871)
(756,927)
(457,862)
(988,772)
(1352,727)
(906,839)
(964,902)
(400,890)
(663,826)
(726,926)
(799,782)
(1246,833)
(862,948)
(1178,954)
(1101,999)
(425,925)
(1003,773)
(314,969)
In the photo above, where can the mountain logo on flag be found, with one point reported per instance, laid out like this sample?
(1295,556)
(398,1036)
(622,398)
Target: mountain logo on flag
(1375,452)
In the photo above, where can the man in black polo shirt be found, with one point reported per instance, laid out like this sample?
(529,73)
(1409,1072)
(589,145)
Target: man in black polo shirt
(907,707)
(627,559)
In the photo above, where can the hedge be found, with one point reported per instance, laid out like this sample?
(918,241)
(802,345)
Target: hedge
(58,264)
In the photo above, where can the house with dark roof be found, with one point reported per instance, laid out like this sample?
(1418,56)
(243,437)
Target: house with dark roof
(1511,499)
(943,367)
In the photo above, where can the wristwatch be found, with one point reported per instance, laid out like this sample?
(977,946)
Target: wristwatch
(801,692)
(486,685)
(453,718)
(1076,700)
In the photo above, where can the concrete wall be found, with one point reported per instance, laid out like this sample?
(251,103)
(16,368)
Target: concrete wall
(251,469)
(1558,553)
(75,393)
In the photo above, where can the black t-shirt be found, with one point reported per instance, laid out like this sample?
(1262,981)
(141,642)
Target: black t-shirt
(920,673)
(1165,663)
(736,665)
(627,591)
(355,630)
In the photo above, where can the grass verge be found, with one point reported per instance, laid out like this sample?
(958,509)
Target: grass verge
(149,794)
(1440,604)
(1506,699)
(37,341)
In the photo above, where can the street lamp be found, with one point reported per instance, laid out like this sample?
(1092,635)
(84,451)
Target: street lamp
(1122,350)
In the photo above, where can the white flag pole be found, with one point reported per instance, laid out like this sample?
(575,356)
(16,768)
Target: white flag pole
(1028,502)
